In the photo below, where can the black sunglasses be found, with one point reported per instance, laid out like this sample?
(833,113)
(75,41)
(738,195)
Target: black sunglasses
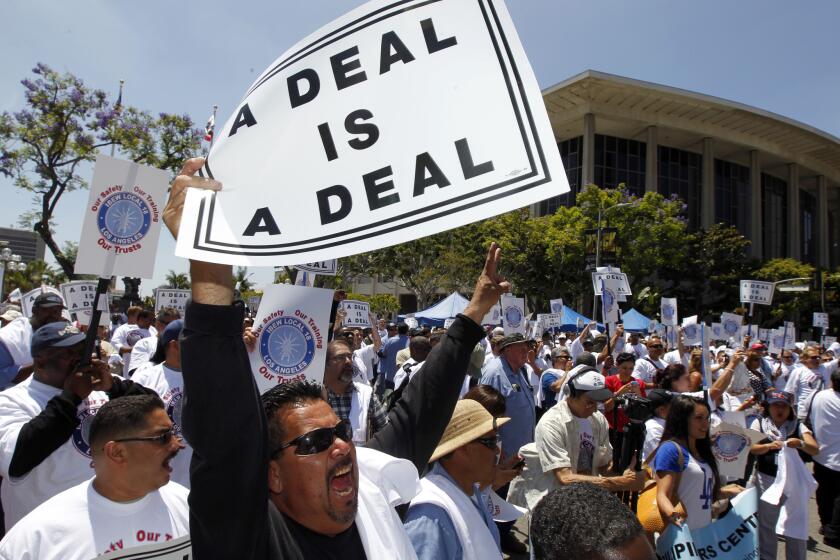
(319,440)
(657,346)
(162,439)
(488,442)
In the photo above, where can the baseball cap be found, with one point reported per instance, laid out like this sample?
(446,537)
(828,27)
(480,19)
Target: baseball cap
(779,396)
(758,346)
(48,300)
(514,338)
(55,335)
(658,397)
(170,333)
(592,383)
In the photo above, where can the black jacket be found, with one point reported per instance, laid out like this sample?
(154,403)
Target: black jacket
(231,516)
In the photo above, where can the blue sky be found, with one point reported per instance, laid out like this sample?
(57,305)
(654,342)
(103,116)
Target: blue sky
(186,56)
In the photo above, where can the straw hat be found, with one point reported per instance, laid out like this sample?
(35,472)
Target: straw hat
(470,421)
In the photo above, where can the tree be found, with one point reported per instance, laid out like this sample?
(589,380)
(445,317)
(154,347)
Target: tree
(177,280)
(64,124)
(784,305)
(32,276)
(241,278)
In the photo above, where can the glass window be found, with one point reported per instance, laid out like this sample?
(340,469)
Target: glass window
(571,152)
(619,160)
(732,195)
(680,176)
(808,221)
(774,223)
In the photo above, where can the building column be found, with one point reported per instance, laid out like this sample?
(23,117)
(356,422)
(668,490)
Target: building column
(823,259)
(652,160)
(707,191)
(756,205)
(588,171)
(794,216)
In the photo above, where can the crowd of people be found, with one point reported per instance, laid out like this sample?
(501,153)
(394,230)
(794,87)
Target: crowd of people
(407,448)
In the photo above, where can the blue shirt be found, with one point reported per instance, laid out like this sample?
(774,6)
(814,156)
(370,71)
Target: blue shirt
(549,397)
(389,351)
(519,404)
(8,367)
(431,531)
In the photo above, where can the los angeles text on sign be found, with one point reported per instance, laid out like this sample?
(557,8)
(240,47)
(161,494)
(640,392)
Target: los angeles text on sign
(398,120)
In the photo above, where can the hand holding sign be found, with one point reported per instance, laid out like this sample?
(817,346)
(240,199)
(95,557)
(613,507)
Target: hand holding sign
(178,193)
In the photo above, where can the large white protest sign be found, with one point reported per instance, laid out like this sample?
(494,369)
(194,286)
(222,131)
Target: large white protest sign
(616,281)
(27,299)
(324,268)
(609,298)
(169,297)
(550,320)
(821,320)
(79,295)
(753,291)
(411,322)
(513,314)
(731,443)
(717,331)
(494,316)
(374,131)
(175,549)
(668,312)
(357,313)
(556,305)
(734,536)
(122,219)
(692,332)
(291,329)
(731,324)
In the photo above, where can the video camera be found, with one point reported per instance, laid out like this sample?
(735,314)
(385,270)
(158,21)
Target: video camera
(638,409)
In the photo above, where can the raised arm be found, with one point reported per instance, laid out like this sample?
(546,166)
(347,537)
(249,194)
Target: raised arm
(416,423)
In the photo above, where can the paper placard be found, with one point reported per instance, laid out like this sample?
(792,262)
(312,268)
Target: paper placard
(358,313)
(821,320)
(175,549)
(717,331)
(550,320)
(324,268)
(763,334)
(79,295)
(731,443)
(776,342)
(692,332)
(494,316)
(615,280)
(610,286)
(448,322)
(169,297)
(556,305)
(668,312)
(254,303)
(122,219)
(731,323)
(291,329)
(652,326)
(753,291)
(321,159)
(27,299)
(513,315)
(411,322)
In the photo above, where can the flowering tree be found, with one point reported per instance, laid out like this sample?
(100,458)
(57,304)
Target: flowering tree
(63,124)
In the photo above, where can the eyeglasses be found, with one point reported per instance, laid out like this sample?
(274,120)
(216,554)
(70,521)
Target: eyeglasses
(562,357)
(342,358)
(488,442)
(319,440)
(812,357)
(162,439)
(657,346)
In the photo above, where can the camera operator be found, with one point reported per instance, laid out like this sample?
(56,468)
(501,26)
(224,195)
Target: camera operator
(622,383)
(660,401)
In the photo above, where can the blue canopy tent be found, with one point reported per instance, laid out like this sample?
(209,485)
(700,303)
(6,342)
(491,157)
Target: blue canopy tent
(634,321)
(448,307)
(569,319)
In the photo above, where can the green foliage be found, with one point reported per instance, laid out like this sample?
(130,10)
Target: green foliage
(787,305)
(382,305)
(242,279)
(31,277)
(177,280)
(65,124)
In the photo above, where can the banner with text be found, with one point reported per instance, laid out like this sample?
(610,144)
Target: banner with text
(175,549)
(324,268)
(321,159)
(167,297)
(753,291)
(357,313)
(291,329)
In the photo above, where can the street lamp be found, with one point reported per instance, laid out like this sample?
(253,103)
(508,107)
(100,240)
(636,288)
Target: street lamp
(8,260)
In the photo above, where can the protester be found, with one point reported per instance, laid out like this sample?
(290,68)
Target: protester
(144,349)
(782,372)
(647,369)
(783,428)
(388,363)
(44,445)
(129,502)
(553,378)
(585,522)
(166,379)
(315,504)
(811,376)
(351,400)
(15,338)
(825,420)
(419,348)
(572,445)
(660,401)
(685,466)
(448,519)
(133,331)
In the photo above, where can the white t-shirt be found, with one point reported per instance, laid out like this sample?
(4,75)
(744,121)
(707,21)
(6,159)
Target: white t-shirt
(128,335)
(645,371)
(142,352)
(654,427)
(587,445)
(825,415)
(16,337)
(803,381)
(696,483)
(68,465)
(364,358)
(169,385)
(674,357)
(80,524)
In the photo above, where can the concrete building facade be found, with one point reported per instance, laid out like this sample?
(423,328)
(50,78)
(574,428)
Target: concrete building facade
(25,243)
(773,178)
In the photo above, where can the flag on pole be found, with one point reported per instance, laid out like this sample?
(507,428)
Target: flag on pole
(211,125)
(118,104)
